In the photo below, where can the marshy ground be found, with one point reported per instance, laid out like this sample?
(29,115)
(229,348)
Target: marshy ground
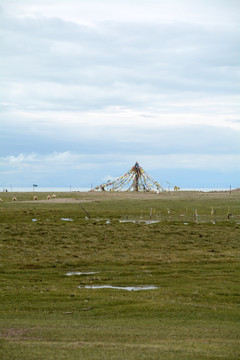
(177,252)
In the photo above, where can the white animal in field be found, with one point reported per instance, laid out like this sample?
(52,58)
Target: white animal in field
(14,199)
(54,196)
(48,197)
(35,198)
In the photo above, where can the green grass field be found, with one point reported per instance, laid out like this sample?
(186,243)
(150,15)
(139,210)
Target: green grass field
(190,253)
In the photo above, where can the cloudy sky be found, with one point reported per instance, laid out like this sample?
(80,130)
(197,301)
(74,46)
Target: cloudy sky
(89,87)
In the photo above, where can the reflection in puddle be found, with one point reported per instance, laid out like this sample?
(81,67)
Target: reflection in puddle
(70,273)
(66,219)
(34,219)
(185,223)
(128,288)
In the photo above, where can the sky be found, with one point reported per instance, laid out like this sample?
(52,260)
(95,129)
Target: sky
(89,87)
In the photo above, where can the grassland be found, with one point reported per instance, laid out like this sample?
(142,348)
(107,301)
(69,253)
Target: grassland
(193,260)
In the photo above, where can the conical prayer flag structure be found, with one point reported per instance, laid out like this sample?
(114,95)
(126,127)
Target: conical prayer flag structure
(136,179)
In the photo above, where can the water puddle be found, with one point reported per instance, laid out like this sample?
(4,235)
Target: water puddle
(185,223)
(151,222)
(146,222)
(70,273)
(128,288)
(66,219)
(34,219)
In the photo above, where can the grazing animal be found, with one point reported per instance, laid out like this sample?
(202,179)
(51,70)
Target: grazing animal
(35,198)
(14,199)
(0,200)
(54,196)
(48,197)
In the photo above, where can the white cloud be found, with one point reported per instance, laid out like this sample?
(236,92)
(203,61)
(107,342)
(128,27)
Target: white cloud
(81,11)
(204,113)
(20,159)
(69,160)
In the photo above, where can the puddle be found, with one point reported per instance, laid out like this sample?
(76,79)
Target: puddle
(66,219)
(146,222)
(185,223)
(34,219)
(129,221)
(128,288)
(108,222)
(70,273)
(151,222)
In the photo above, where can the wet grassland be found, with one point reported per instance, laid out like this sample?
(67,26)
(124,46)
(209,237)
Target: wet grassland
(148,276)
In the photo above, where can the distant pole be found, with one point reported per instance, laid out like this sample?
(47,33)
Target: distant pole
(70,188)
(137,176)
(230,189)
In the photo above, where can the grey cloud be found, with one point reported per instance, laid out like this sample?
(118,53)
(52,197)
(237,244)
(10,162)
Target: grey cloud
(115,137)
(117,63)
